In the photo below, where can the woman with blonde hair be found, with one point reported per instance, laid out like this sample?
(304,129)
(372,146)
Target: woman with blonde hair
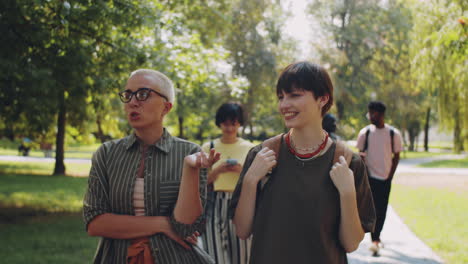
(146,192)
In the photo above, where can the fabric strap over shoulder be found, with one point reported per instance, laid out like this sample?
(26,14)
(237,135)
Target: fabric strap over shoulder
(274,144)
(342,150)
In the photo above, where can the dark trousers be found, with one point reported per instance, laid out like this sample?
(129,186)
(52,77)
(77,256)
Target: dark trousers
(380,194)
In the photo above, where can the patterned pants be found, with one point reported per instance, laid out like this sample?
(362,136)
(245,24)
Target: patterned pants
(220,240)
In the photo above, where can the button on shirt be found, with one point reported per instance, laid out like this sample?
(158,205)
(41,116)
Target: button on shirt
(110,190)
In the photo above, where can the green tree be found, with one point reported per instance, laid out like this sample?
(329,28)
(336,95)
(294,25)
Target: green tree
(253,41)
(60,46)
(439,50)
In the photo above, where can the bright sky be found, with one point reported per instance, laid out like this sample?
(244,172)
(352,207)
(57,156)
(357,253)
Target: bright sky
(298,26)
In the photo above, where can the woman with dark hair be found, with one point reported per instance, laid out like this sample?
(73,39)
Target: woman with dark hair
(220,240)
(299,205)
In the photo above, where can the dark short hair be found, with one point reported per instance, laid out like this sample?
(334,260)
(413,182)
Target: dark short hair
(307,76)
(377,106)
(230,111)
(329,123)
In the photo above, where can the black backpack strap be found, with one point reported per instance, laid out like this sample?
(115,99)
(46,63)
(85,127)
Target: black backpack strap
(211,144)
(392,134)
(366,142)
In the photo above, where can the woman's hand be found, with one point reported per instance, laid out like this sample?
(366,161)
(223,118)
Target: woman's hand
(169,232)
(226,167)
(342,177)
(202,160)
(264,161)
(193,239)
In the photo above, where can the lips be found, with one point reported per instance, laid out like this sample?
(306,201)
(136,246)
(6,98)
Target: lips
(134,116)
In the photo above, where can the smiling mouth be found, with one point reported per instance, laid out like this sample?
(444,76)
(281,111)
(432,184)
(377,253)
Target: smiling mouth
(290,115)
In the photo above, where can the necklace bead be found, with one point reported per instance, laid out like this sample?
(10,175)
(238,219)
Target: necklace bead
(316,149)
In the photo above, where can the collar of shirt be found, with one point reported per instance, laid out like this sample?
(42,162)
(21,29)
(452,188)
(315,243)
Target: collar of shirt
(164,143)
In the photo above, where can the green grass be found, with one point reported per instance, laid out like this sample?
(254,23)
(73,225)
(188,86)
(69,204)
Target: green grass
(42,168)
(437,216)
(40,220)
(456,163)
(44,194)
(416,154)
(46,239)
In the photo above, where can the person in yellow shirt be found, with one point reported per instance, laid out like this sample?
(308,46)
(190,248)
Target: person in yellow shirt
(220,239)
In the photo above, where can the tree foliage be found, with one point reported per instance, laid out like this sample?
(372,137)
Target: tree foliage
(66,53)
(439,54)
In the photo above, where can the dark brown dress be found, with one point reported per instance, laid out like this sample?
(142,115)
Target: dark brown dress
(297,213)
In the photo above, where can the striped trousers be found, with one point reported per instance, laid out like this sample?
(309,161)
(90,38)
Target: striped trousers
(220,240)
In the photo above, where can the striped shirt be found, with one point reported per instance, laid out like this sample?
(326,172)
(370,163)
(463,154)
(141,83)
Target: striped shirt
(110,190)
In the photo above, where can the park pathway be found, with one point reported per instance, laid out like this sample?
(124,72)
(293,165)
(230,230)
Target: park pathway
(401,244)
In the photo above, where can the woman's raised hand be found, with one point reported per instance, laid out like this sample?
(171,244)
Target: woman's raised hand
(342,176)
(264,161)
(202,160)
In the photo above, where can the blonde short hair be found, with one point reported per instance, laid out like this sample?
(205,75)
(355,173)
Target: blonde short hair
(164,83)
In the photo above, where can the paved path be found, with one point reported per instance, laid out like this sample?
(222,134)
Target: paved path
(40,159)
(401,246)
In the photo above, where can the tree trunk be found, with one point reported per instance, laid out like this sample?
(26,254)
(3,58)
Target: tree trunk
(457,135)
(411,139)
(249,108)
(181,127)
(426,130)
(100,133)
(340,109)
(60,139)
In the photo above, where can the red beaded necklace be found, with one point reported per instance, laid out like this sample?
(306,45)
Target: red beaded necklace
(307,155)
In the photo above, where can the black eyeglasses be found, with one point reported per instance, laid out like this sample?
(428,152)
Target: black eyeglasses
(141,95)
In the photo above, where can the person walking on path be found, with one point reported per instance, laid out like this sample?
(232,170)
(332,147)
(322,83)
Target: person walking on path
(146,192)
(220,239)
(329,125)
(309,208)
(380,145)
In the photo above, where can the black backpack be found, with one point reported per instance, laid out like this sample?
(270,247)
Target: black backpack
(366,142)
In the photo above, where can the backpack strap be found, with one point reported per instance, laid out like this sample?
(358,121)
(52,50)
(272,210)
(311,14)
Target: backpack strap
(392,133)
(342,150)
(366,142)
(273,143)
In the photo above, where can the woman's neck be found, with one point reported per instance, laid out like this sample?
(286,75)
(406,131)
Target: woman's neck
(149,136)
(307,136)
(228,139)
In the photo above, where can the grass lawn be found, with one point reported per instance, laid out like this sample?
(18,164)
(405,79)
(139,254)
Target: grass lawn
(415,154)
(40,220)
(456,163)
(437,216)
(46,239)
(43,168)
(42,193)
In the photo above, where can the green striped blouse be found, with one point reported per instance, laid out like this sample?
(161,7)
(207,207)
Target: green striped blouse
(110,190)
